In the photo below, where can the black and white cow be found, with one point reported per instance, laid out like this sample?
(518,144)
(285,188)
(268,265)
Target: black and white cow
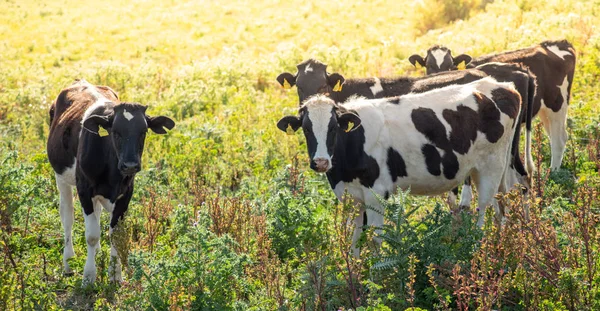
(428,143)
(96,144)
(553,65)
(312,78)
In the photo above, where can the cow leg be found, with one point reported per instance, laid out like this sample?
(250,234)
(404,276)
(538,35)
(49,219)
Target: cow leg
(91,215)
(374,213)
(555,124)
(451,200)
(358,228)
(67,216)
(339,189)
(466,195)
(114,269)
(487,186)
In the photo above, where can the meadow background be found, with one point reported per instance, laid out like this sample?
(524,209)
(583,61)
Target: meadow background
(227,215)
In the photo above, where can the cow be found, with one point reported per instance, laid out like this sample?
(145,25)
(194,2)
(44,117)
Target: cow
(96,143)
(312,78)
(553,65)
(427,142)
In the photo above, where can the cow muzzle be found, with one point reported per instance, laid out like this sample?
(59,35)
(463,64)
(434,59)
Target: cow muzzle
(320,165)
(129,168)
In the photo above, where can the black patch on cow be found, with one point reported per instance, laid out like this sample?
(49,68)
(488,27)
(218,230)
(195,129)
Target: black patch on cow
(66,137)
(450,164)
(350,160)
(489,118)
(432,159)
(396,164)
(505,100)
(395,100)
(463,124)
(428,124)
(387,195)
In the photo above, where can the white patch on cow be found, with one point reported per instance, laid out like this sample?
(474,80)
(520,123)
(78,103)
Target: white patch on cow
(554,49)
(127,115)
(339,190)
(439,55)
(101,101)
(308,69)
(106,203)
(465,196)
(319,112)
(68,175)
(376,88)
(564,90)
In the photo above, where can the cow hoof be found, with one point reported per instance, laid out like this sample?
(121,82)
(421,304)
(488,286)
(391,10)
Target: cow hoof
(68,272)
(464,208)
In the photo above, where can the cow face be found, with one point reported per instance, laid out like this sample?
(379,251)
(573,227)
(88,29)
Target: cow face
(126,125)
(322,121)
(311,79)
(438,59)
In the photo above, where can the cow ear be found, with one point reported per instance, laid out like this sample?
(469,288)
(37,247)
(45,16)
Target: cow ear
(348,121)
(94,122)
(417,61)
(335,80)
(461,61)
(287,80)
(289,124)
(158,124)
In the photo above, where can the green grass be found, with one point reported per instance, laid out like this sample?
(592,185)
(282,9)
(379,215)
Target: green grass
(211,65)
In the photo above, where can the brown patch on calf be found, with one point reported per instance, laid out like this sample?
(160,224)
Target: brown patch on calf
(66,114)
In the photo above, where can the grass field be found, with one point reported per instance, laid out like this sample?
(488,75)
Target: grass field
(227,215)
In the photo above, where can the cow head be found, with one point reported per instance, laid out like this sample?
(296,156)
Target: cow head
(126,125)
(438,59)
(322,121)
(311,79)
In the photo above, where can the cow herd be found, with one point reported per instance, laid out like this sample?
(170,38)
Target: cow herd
(459,124)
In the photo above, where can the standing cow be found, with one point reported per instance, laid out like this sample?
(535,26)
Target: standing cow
(551,62)
(312,78)
(96,144)
(428,143)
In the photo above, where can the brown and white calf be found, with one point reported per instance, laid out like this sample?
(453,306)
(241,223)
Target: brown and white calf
(312,78)
(96,144)
(553,65)
(428,143)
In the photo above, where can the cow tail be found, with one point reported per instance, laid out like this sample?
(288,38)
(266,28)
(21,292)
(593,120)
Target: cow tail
(530,167)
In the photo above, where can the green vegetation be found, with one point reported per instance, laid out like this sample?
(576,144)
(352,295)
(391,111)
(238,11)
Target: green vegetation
(227,215)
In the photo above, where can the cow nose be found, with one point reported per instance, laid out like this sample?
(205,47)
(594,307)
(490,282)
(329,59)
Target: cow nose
(129,168)
(321,165)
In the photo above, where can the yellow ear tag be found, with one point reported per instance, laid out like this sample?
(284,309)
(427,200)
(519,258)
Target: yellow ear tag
(337,87)
(286,84)
(350,126)
(102,132)
(418,66)
(289,130)
(462,65)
